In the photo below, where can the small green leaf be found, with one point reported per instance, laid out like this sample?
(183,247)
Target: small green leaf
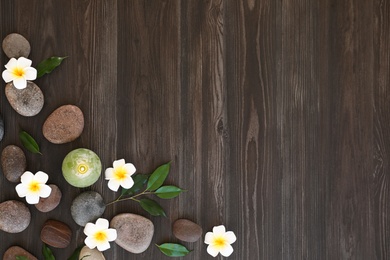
(48,65)
(21,257)
(158,177)
(76,253)
(139,181)
(86,256)
(173,250)
(168,192)
(152,207)
(47,253)
(28,142)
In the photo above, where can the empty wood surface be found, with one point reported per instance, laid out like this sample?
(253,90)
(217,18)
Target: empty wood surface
(275,115)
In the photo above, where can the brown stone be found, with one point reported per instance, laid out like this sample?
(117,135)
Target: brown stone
(51,202)
(64,125)
(15,46)
(14,216)
(13,163)
(26,102)
(56,234)
(15,251)
(186,230)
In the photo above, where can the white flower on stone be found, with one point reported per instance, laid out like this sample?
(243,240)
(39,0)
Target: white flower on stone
(99,235)
(219,241)
(120,175)
(19,71)
(33,187)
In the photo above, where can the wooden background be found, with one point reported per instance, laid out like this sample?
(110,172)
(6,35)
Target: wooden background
(275,114)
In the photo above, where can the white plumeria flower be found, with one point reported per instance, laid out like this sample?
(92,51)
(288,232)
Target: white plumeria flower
(99,235)
(219,241)
(120,175)
(19,71)
(33,187)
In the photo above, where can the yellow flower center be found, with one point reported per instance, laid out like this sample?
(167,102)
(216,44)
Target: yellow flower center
(82,168)
(220,242)
(120,173)
(101,236)
(18,72)
(34,186)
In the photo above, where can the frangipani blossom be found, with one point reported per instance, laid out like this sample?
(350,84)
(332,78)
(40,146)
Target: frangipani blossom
(33,187)
(99,235)
(120,175)
(219,241)
(19,71)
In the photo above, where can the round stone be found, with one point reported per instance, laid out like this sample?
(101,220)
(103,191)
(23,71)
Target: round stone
(13,163)
(51,202)
(94,254)
(15,46)
(134,232)
(186,230)
(64,125)
(87,207)
(81,167)
(1,128)
(14,216)
(26,102)
(15,251)
(56,234)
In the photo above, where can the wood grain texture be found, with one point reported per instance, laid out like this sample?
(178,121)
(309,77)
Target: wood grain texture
(274,115)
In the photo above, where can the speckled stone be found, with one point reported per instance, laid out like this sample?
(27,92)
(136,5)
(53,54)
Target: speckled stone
(64,125)
(87,207)
(13,163)
(92,254)
(56,234)
(15,251)
(186,230)
(15,46)
(26,102)
(14,216)
(134,232)
(51,202)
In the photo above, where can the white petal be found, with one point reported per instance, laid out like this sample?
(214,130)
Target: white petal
(90,242)
(130,168)
(7,76)
(21,189)
(12,63)
(89,229)
(32,199)
(23,62)
(103,246)
(27,177)
(102,223)
(109,173)
(208,238)
(113,185)
(41,177)
(230,237)
(45,191)
(212,251)
(119,163)
(219,230)
(127,183)
(30,73)
(111,234)
(20,83)
(226,250)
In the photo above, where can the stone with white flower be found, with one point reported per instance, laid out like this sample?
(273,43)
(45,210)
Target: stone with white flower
(14,216)
(26,102)
(120,175)
(13,163)
(87,207)
(87,253)
(56,234)
(99,235)
(186,230)
(19,71)
(134,232)
(15,251)
(15,46)
(51,202)
(33,187)
(64,124)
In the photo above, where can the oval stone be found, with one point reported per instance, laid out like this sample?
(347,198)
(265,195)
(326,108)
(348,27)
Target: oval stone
(1,128)
(26,102)
(51,202)
(64,125)
(134,232)
(15,46)
(15,251)
(92,254)
(14,216)
(87,207)
(186,230)
(13,163)
(56,234)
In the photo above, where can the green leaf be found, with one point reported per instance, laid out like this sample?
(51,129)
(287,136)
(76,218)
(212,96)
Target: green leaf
(86,256)
(47,253)
(48,65)
(152,207)
(168,192)
(173,250)
(76,253)
(139,181)
(158,177)
(21,257)
(28,142)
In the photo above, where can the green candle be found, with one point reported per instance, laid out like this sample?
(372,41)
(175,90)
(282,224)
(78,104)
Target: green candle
(81,167)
